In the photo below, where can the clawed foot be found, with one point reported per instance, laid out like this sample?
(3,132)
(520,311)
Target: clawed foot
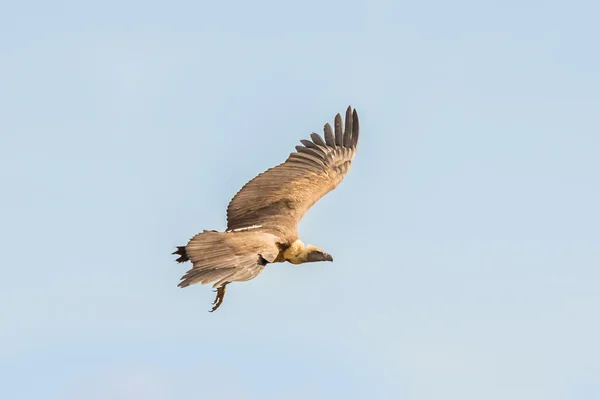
(219,299)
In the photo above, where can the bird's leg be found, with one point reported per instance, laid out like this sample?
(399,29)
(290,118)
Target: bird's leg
(219,299)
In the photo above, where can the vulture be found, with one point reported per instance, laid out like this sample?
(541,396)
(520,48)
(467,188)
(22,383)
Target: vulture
(263,217)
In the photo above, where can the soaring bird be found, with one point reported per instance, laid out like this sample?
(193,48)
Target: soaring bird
(263,217)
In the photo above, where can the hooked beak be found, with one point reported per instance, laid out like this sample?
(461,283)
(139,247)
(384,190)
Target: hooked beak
(317,256)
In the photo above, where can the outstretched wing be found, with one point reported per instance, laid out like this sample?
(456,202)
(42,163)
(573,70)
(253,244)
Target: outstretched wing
(276,200)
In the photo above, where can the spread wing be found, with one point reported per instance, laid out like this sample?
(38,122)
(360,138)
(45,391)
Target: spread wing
(276,200)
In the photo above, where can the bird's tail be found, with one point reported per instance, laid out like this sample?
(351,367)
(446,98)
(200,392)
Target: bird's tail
(220,257)
(182,254)
(213,260)
(210,237)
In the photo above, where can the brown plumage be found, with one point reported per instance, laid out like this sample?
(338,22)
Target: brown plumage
(263,217)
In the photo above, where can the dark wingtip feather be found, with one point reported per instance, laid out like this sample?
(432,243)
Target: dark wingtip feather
(355,128)
(308,144)
(329,138)
(339,131)
(317,139)
(348,127)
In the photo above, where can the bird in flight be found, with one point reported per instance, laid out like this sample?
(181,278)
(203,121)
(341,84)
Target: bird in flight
(263,217)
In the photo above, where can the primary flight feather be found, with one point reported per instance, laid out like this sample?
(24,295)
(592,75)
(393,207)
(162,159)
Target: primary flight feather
(263,217)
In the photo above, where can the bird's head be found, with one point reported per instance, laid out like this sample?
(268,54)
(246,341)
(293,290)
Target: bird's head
(315,254)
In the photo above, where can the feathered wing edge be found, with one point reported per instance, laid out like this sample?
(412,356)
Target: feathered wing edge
(320,156)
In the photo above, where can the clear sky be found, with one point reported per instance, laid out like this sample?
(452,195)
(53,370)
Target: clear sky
(466,236)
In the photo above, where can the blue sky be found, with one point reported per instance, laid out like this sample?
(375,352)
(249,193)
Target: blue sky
(465,237)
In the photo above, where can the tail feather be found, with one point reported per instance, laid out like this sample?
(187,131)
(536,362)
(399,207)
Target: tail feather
(183,257)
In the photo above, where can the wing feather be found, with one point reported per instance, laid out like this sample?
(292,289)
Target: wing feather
(355,128)
(308,144)
(277,199)
(308,159)
(348,129)
(317,139)
(318,154)
(220,257)
(329,138)
(339,131)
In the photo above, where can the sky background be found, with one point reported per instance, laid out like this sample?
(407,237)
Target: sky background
(466,236)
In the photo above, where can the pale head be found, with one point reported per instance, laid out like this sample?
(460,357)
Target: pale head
(298,253)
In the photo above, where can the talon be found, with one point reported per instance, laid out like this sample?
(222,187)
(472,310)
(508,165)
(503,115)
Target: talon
(219,299)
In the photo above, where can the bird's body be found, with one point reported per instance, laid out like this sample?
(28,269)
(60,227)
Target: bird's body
(263,217)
